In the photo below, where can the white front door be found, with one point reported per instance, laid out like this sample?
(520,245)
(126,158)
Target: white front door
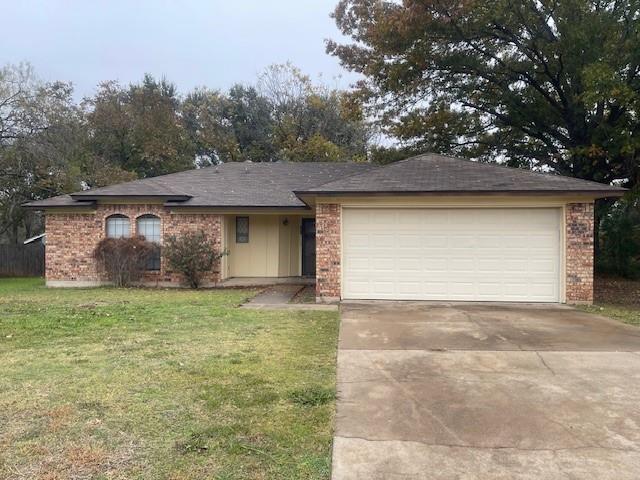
(475,254)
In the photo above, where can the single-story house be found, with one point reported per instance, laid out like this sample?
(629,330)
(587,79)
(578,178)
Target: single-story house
(431,227)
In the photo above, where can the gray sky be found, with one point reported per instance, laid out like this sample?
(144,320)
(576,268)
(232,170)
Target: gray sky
(192,42)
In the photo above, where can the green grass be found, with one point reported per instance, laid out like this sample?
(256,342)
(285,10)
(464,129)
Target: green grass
(623,313)
(162,384)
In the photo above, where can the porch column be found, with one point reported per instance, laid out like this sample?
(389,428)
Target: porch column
(579,254)
(328,253)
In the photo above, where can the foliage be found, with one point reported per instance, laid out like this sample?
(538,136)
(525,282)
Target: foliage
(200,384)
(549,85)
(139,129)
(50,144)
(38,128)
(43,148)
(312,122)
(286,117)
(312,396)
(123,260)
(620,242)
(192,255)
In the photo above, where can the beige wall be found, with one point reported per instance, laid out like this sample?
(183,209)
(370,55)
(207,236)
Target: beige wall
(273,249)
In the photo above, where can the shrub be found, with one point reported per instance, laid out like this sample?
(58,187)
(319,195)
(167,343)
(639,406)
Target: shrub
(620,237)
(123,260)
(192,254)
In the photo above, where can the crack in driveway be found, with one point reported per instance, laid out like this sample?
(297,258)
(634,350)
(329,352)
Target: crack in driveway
(486,447)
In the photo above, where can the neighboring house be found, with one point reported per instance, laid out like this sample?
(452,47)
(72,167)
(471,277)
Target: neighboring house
(427,228)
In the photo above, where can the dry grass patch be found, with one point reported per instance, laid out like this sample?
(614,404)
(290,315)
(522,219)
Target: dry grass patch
(158,384)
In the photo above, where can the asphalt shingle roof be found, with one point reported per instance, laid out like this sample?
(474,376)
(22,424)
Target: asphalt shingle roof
(433,173)
(276,184)
(234,184)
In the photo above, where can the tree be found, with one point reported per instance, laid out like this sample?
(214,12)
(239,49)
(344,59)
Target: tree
(621,237)
(138,129)
(551,84)
(204,114)
(250,116)
(39,135)
(312,122)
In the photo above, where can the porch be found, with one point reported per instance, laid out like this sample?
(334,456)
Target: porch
(267,249)
(242,282)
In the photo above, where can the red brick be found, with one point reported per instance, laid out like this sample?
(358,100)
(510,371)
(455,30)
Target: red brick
(328,268)
(72,237)
(579,256)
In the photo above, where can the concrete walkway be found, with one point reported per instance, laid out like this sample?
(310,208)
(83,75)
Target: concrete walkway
(483,392)
(278,297)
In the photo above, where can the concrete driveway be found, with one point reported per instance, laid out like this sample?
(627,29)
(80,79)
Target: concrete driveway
(479,391)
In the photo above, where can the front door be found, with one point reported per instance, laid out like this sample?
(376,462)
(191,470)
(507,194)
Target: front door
(309,247)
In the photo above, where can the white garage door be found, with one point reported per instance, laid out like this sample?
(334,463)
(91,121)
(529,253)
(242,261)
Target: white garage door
(489,254)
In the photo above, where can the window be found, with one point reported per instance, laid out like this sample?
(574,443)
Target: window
(242,229)
(149,227)
(118,226)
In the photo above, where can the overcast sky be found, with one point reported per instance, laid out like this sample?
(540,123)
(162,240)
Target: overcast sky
(192,42)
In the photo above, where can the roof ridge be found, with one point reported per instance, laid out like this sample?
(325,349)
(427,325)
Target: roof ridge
(147,180)
(376,178)
(374,167)
(518,169)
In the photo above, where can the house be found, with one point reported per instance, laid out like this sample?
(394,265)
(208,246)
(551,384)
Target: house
(430,227)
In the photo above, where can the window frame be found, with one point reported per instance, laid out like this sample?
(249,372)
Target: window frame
(245,236)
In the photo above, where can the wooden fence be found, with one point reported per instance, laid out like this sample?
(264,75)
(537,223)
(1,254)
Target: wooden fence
(22,260)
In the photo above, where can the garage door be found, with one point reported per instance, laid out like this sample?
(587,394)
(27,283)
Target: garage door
(452,254)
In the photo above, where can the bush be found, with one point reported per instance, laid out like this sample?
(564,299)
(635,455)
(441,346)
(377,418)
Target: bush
(192,254)
(123,260)
(620,238)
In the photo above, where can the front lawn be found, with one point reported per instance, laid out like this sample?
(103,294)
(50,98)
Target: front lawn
(161,384)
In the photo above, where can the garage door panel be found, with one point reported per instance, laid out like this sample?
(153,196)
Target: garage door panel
(409,264)
(452,254)
(382,264)
(409,240)
(382,241)
(433,265)
(383,288)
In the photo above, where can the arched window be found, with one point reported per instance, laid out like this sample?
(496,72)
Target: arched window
(149,227)
(118,226)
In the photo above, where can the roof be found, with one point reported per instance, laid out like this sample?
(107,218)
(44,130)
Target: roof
(440,174)
(233,184)
(282,185)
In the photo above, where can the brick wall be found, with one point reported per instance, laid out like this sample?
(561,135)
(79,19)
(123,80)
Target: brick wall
(579,256)
(328,252)
(72,237)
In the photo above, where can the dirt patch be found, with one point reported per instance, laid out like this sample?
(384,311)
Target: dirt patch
(59,417)
(305,295)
